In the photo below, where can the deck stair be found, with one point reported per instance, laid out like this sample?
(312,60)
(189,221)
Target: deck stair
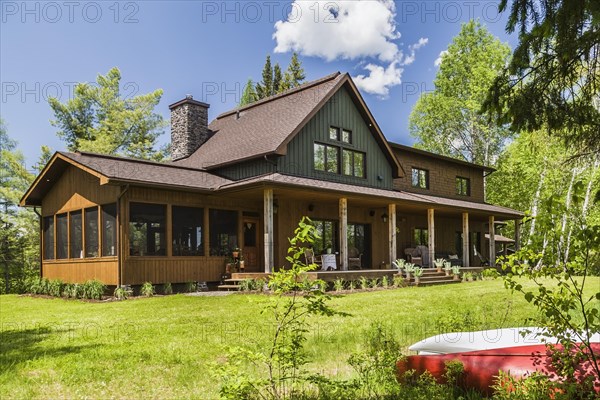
(432,277)
(231,284)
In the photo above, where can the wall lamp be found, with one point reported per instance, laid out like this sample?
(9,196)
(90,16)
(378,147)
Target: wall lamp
(384,217)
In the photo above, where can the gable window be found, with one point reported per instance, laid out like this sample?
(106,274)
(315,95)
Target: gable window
(48,237)
(463,186)
(326,158)
(353,163)
(420,178)
(421,237)
(334,133)
(147,229)
(346,136)
(188,232)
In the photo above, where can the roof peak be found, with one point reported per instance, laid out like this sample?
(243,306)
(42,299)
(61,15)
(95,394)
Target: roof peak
(277,96)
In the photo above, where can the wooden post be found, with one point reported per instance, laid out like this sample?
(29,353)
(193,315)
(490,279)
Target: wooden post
(392,233)
(465,243)
(343,208)
(517,234)
(492,233)
(268,216)
(431,234)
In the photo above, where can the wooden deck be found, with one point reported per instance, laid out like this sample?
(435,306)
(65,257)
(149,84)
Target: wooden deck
(327,276)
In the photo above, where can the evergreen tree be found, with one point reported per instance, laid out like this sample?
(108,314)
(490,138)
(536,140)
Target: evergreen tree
(295,71)
(277,78)
(249,95)
(265,88)
(98,119)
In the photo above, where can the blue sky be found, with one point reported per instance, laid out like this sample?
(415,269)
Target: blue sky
(210,48)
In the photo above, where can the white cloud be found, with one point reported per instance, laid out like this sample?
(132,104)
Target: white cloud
(380,79)
(354,29)
(438,61)
(349,30)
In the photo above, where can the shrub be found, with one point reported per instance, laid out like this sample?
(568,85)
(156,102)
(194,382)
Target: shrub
(122,293)
(93,289)
(490,273)
(260,284)
(364,283)
(248,285)
(374,283)
(338,284)
(385,281)
(398,281)
(147,289)
(352,285)
(190,287)
(55,287)
(167,288)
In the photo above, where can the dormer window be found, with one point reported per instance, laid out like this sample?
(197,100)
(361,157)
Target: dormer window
(420,178)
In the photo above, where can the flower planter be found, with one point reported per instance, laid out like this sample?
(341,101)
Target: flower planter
(417,280)
(457,277)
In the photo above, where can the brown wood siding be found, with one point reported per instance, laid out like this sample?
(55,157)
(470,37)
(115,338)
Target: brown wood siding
(81,270)
(137,270)
(442,176)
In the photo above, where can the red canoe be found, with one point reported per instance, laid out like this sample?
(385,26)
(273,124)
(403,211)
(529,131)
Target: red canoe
(481,367)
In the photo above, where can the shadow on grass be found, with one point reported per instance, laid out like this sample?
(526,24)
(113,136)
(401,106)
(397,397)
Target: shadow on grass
(18,346)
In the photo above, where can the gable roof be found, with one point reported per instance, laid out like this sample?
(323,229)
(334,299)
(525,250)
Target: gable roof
(120,170)
(266,127)
(415,150)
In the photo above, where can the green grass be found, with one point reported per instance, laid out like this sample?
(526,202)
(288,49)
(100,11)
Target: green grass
(166,347)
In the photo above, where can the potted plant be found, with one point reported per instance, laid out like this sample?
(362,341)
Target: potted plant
(328,246)
(468,276)
(399,264)
(235,253)
(456,272)
(447,267)
(439,264)
(409,268)
(418,272)
(241,263)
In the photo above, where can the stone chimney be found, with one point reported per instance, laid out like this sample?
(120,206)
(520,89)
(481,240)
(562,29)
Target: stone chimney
(189,127)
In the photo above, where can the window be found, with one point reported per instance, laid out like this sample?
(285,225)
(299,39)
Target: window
(463,186)
(48,237)
(475,241)
(62,236)
(326,158)
(328,232)
(353,163)
(188,231)
(109,229)
(223,232)
(147,229)
(334,133)
(75,238)
(420,178)
(91,232)
(346,136)
(421,237)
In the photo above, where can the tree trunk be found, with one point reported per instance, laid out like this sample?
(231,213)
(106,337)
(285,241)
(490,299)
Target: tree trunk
(536,200)
(564,249)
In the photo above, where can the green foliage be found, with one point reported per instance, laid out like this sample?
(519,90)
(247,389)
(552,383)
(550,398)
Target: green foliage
(553,77)
(490,273)
(122,293)
(167,288)
(249,94)
(338,284)
(376,364)
(99,119)
(93,289)
(447,121)
(147,289)
(455,321)
(374,283)
(418,271)
(274,81)
(364,283)
(385,281)
(352,285)
(248,285)
(265,87)
(399,281)
(190,287)
(282,363)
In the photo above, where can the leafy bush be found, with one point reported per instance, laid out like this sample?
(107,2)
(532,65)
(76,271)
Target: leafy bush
(248,285)
(385,281)
(364,283)
(122,293)
(260,284)
(338,284)
(374,283)
(93,289)
(190,287)
(147,289)
(167,288)
(490,273)
(352,285)
(55,287)
(399,281)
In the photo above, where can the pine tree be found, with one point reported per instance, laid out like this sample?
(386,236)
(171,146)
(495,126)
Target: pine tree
(277,78)
(249,95)
(295,71)
(265,88)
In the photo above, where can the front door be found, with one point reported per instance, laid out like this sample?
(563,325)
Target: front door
(250,245)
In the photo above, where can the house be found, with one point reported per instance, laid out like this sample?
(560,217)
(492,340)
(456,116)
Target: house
(245,180)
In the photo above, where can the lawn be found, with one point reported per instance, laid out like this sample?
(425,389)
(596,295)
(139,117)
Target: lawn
(166,347)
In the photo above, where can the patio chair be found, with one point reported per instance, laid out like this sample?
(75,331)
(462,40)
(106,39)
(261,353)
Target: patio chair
(424,252)
(484,261)
(354,258)
(310,258)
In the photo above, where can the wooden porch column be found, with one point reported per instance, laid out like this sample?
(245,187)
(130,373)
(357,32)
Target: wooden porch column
(465,244)
(392,233)
(431,234)
(344,233)
(492,233)
(517,234)
(268,215)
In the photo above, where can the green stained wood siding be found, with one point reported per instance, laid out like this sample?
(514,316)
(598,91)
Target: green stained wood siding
(340,111)
(248,169)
